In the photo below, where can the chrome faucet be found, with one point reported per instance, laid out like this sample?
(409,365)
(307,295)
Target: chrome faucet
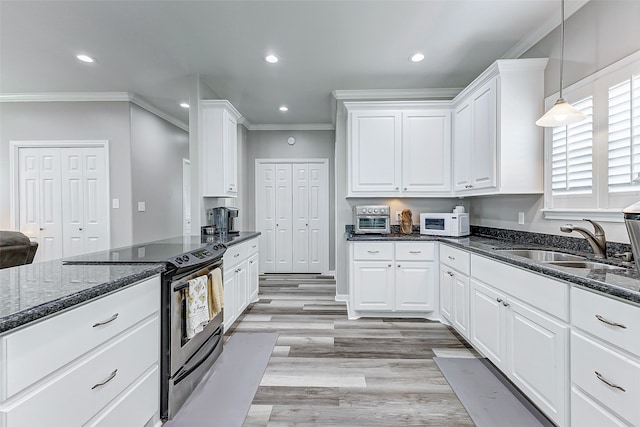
(598,241)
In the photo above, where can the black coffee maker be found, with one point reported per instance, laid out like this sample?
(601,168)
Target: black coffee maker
(224,219)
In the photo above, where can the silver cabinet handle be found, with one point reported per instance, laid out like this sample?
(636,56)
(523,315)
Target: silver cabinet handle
(405,188)
(610,384)
(450,273)
(373,252)
(230,188)
(415,252)
(251,262)
(109,320)
(112,376)
(506,304)
(254,246)
(609,322)
(397,188)
(389,265)
(399,266)
(499,299)
(238,270)
(451,258)
(236,255)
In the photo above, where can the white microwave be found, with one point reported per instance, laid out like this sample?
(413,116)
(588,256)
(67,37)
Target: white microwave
(445,224)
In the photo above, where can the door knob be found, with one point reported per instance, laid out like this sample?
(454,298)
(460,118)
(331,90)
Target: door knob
(41,228)
(80,228)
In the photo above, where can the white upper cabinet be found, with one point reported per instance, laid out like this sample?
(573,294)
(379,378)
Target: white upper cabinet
(218,148)
(497,147)
(398,148)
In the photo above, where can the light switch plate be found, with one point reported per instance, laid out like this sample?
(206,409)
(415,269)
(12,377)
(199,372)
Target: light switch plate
(115,203)
(141,207)
(520,217)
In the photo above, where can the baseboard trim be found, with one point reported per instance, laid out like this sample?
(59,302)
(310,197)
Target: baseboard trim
(342,297)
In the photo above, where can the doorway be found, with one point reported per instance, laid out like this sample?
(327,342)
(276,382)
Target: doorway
(292,213)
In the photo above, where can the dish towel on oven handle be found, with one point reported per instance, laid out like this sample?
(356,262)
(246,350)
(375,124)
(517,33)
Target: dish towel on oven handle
(216,293)
(197,305)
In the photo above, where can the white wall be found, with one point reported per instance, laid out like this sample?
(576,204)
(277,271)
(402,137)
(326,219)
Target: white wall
(272,144)
(599,34)
(157,150)
(23,121)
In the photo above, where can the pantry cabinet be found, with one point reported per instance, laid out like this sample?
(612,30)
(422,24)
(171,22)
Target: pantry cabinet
(392,279)
(218,147)
(497,147)
(398,148)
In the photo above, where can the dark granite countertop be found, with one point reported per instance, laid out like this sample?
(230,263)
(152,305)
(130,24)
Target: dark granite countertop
(34,291)
(623,283)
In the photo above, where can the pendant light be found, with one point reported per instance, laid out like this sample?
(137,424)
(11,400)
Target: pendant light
(562,113)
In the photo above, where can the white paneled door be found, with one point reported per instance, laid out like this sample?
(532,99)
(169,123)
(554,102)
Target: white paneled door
(63,200)
(292,214)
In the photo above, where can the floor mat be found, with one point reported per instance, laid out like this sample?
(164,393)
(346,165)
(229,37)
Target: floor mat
(490,401)
(225,394)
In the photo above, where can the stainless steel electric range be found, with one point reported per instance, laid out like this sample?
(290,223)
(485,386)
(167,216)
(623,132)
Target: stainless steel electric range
(184,357)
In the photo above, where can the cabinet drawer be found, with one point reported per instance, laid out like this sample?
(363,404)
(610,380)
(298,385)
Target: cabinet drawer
(71,397)
(538,291)
(373,251)
(235,254)
(135,406)
(73,333)
(252,247)
(606,318)
(589,357)
(455,258)
(414,251)
(587,413)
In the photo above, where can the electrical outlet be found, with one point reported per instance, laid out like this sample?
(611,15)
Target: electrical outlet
(520,217)
(141,207)
(115,203)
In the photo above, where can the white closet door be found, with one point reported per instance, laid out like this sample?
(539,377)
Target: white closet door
(72,196)
(284,223)
(318,206)
(300,218)
(266,215)
(40,200)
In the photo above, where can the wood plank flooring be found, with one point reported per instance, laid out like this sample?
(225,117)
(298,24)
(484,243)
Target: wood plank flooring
(327,370)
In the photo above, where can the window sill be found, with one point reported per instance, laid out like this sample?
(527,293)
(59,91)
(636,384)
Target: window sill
(600,215)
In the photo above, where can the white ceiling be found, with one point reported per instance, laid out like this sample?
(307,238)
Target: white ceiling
(150,48)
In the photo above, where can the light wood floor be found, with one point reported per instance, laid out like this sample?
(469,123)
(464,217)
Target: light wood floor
(329,371)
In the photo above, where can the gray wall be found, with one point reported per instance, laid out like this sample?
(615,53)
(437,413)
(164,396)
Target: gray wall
(157,150)
(273,145)
(73,121)
(597,35)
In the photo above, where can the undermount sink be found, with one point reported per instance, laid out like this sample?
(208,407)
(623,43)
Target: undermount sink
(586,265)
(541,255)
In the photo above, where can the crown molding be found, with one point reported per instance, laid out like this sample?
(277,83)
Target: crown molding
(223,103)
(93,97)
(543,30)
(434,93)
(310,126)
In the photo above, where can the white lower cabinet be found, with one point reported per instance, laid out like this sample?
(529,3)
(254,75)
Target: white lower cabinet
(240,279)
(454,288)
(100,381)
(392,278)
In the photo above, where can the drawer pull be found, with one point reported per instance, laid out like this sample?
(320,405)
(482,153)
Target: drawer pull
(415,252)
(499,299)
(601,378)
(450,273)
(112,376)
(451,258)
(609,322)
(506,304)
(109,320)
(236,255)
(373,252)
(254,246)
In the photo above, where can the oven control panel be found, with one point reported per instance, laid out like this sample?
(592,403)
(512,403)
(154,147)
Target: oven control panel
(199,256)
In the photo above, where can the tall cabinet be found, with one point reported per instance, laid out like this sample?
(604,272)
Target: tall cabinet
(292,213)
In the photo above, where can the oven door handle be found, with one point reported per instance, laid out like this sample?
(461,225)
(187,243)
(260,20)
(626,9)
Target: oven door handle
(198,359)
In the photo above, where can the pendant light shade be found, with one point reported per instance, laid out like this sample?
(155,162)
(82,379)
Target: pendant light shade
(562,113)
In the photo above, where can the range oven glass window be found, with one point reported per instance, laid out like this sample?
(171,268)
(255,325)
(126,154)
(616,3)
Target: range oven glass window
(434,223)
(373,223)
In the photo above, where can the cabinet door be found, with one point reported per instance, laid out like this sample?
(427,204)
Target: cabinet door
(253,278)
(446,293)
(242,287)
(414,283)
(229,298)
(426,151)
(462,134)
(483,148)
(538,358)
(487,323)
(373,285)
(230,153)
(460,296)
(374,151)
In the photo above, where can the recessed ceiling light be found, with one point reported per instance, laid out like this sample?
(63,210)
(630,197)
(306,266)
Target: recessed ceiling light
(184,105)
(417,57)
(85,58)
(284,108)
(271,59)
